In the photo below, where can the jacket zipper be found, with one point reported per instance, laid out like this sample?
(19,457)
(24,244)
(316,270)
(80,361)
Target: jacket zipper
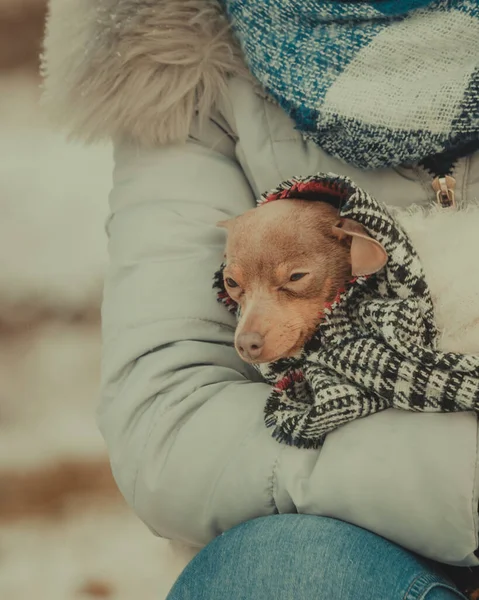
(441,167)
(443,182)
(444,188)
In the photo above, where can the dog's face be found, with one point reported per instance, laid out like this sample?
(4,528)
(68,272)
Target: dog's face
(284,261)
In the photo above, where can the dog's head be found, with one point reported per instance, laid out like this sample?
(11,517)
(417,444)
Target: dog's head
(284,261)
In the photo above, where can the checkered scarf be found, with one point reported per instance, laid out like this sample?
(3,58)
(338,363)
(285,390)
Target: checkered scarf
(375,347)
(373,83)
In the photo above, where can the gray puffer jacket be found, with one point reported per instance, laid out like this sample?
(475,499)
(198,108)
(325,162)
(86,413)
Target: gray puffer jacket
(181,413)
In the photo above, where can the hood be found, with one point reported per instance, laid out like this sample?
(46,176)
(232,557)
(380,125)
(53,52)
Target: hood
(138,69)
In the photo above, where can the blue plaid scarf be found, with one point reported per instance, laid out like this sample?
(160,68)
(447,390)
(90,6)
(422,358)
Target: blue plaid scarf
(376,84)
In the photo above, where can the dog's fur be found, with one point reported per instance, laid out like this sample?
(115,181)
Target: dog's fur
(136,68)
(267,247)
(291,235)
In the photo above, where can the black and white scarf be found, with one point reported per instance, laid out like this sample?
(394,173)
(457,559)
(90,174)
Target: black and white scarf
(376,346)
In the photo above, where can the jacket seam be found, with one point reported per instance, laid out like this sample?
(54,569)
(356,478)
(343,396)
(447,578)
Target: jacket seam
(214,146)
(464,187)
(226,467)
(271,142)
(143,448)
(286,139)
(230,134)
(475,508)
(181,319)
(274,480)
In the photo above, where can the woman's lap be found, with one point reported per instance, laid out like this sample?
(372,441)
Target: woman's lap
(306,557)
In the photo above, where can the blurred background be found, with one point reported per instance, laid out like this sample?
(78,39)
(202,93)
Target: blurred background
(65,533)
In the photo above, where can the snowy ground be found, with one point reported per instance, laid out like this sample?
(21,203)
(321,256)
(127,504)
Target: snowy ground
(49,386)
(53,204)
(93,553)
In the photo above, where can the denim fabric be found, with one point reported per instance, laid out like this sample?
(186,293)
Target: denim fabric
(303,557)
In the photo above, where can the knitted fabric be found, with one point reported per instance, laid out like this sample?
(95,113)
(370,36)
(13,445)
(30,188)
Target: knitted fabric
(375,84)
(375,347)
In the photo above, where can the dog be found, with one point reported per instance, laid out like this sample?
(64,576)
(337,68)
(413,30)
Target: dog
(284,261)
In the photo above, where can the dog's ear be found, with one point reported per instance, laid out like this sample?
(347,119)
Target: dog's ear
(367,255)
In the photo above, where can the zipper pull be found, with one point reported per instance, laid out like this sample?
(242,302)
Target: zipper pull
(444,188)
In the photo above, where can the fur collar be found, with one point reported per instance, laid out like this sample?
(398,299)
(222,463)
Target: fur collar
(136,68)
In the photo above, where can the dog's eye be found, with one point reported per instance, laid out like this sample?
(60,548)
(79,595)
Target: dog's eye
(297,276)
(231,282)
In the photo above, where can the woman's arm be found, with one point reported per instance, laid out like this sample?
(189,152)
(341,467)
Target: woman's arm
(183,419)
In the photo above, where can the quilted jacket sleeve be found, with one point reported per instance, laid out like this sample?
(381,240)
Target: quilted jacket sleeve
(182,415)
(182,419)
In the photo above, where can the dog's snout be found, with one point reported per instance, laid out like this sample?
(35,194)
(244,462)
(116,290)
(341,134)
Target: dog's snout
(250,345)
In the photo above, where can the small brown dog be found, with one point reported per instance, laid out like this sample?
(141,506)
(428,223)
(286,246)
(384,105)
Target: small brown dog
(284,261)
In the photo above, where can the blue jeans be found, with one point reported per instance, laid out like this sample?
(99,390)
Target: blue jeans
(302,557)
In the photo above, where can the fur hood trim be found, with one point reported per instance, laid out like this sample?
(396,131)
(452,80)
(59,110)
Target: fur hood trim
(136,68)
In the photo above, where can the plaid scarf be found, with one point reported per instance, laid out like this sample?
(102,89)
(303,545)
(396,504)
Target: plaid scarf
(376,346)
(375,84)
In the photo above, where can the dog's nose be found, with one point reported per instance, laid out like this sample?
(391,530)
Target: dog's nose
(250,345)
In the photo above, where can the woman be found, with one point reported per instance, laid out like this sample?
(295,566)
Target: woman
(197,139)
